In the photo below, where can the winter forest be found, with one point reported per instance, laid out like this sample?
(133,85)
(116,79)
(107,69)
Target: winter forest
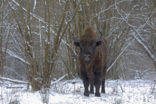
(39,61)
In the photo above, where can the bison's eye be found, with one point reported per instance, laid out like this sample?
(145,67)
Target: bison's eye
(98,43)
(77,43)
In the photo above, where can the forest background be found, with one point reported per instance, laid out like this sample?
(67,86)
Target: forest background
(36,42)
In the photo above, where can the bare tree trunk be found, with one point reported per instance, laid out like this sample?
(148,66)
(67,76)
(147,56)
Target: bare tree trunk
(1,57)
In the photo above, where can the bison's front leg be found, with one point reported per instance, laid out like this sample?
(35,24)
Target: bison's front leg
(97,83)
(85,83)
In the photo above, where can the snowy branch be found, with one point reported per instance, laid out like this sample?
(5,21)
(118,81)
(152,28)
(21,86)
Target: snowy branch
(61,78)
(13,80)
(11,53)
(119,55)
(139,40)
(111,6)
(41,20)
(34,5)
(144,46)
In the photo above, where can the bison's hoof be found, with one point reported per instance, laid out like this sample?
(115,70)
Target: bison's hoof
(86,94)
(97,94)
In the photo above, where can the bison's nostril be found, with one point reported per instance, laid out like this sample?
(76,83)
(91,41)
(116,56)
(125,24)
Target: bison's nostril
(87,57)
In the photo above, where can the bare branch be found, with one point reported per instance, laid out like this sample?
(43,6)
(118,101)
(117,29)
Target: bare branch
(135,35)
(119,55)
(12,54)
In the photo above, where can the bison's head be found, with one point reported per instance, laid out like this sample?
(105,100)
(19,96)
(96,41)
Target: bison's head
(87,49)
(87,46)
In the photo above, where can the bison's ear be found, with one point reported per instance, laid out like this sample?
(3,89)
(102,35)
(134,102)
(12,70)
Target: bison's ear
(98,43)
(76,43)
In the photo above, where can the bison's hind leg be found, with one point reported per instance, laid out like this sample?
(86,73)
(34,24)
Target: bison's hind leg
(103,86)
(97,83)
(92,88)
(86,85)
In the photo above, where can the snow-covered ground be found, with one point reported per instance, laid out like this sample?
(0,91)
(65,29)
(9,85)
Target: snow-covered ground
(71,92)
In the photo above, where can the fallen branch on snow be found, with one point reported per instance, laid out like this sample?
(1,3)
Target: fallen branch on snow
(61,78)
(13,80)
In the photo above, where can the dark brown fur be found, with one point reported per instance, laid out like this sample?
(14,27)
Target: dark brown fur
(93,73)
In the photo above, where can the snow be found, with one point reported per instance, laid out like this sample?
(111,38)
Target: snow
(67,92)
(31,98)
